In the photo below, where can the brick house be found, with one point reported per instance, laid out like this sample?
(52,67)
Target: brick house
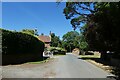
(45,39)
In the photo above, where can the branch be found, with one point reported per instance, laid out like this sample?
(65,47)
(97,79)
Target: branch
(87,9)
(80,13)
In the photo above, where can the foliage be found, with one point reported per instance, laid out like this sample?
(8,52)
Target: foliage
(102,23)
(78,12)
(71,40)
(83,43)
(20,44)
(105,27)
(36,32)
(55,41)
(30,31)
(57,50)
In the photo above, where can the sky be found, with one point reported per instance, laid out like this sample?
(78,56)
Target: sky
(43,16)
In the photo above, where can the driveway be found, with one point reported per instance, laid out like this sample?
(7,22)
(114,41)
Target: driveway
(68,66)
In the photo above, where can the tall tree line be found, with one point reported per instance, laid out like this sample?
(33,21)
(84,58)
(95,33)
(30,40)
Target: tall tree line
(101,19)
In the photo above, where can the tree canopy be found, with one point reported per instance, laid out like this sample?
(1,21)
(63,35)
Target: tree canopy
(102,23)
(55,40)
(102,27)
(71,40)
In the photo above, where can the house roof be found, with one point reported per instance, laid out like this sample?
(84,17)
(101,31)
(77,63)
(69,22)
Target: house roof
(45,38)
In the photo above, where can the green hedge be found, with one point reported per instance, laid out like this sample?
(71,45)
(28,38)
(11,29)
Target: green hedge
(57,50)
(22,46)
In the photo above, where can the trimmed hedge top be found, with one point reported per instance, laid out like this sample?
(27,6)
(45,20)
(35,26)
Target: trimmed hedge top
(56,48)
(20,43)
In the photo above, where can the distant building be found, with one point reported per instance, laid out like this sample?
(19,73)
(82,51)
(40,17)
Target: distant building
(46,39)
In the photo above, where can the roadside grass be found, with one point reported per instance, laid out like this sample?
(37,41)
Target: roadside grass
(102,66)
(45,60)
(93,60)
(39,62)
(59,55)
(90,56)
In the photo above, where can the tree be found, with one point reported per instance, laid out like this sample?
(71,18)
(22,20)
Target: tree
(71,40)
(102,24)
(42,34)
(55,41)
(105,27)
(36,32)
(81,11)
(83,43)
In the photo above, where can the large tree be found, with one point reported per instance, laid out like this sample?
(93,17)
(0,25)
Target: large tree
(102,24)
(102,21)
(71,40)
(55,40)
(78,12)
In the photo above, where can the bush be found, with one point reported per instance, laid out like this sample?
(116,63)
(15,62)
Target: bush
(20,47)
(57,50)
(88,53)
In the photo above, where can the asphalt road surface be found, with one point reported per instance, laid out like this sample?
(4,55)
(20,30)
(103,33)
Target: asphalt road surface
(68,66)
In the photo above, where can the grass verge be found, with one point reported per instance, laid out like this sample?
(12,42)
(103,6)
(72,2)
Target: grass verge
(102,66)
(92,59)
(90,56)
(39,62)
(59,55)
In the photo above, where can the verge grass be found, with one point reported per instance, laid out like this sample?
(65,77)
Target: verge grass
(39,62)
(90,59)
(90,56)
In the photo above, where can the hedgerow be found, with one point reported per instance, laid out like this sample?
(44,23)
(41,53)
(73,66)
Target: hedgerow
(57,50)
(20,46)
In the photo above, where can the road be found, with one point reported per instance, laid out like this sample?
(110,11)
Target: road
(68,66)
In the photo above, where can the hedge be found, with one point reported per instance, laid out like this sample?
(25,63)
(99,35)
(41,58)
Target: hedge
(20,47)
(57,50)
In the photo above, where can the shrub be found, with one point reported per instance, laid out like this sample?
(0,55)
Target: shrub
(20,47)
(57,50)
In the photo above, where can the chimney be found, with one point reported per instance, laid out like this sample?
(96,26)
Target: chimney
(50,35)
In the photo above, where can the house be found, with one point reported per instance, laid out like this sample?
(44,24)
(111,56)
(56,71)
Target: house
(45,39)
